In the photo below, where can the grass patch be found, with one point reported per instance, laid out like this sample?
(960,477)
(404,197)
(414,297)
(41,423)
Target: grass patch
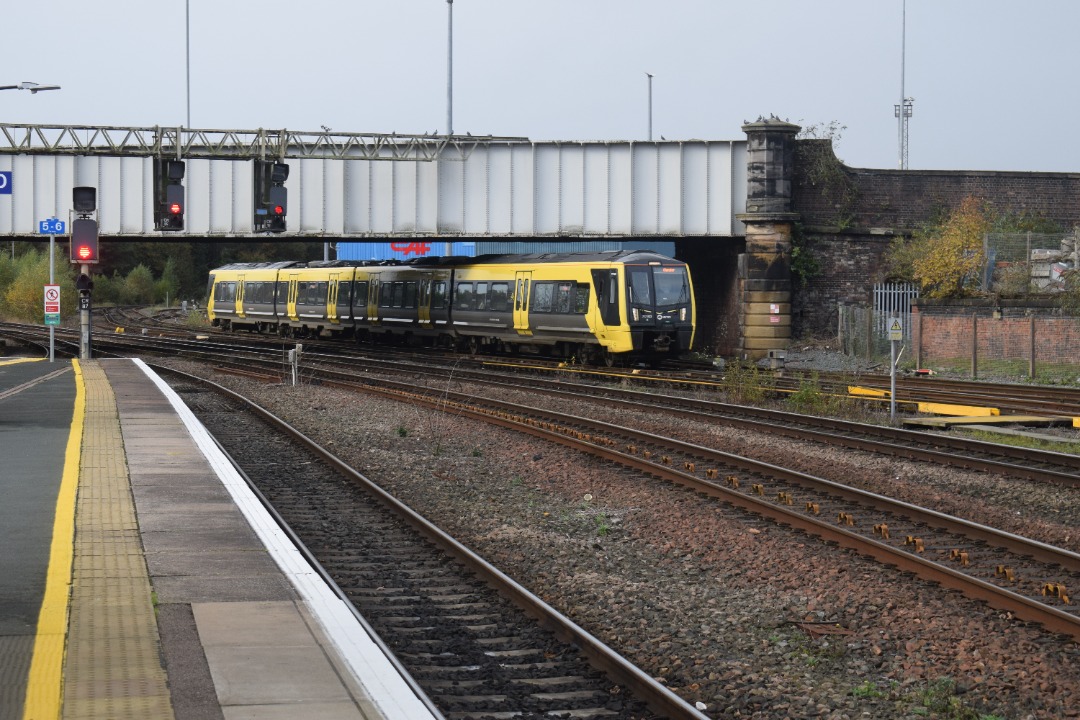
(746,383)
(1013,370)
(1071,448)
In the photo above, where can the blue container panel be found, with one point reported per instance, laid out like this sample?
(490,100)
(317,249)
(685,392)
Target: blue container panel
(663,247)
(403,250)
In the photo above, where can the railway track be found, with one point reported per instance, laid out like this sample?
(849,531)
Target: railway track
(1022,576)
(1006,460)
(442,610)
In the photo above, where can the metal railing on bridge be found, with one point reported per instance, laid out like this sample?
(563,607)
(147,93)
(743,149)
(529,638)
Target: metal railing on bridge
(259,144)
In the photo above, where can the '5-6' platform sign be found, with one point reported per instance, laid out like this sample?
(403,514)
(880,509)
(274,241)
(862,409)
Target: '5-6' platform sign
(5,183)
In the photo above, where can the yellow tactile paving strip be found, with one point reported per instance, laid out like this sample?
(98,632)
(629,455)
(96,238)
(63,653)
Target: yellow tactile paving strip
(113,665)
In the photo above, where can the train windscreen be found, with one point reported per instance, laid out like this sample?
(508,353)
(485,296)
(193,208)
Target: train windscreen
(659,286)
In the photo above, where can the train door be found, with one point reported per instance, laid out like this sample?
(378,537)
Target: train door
(606,284)
(331,298)
(373,300)
(522,281)
(240,296)
(294,283)
(423,303)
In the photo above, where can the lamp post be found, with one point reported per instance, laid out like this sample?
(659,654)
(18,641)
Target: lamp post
(650,77)
(187,54)
(34,89)
(449,67)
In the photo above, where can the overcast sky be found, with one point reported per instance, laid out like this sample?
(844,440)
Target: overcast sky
(994,81)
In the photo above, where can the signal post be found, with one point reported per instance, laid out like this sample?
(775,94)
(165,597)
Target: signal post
(84,252)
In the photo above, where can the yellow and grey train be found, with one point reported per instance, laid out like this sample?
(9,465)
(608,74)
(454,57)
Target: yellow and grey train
(600,307)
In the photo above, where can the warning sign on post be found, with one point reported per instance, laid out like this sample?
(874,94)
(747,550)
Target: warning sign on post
(896,330)
(52,299)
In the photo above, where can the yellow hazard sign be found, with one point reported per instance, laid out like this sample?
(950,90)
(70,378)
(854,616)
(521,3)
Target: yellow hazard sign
(896,329)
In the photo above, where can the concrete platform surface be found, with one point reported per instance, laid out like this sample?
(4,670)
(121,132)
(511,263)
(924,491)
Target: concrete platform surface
(186,599)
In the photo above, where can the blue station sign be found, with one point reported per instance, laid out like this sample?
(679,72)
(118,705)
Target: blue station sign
(52,226)
(5,182)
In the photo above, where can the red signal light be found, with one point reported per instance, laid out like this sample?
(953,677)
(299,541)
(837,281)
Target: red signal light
(175,209)
(279,210)
(85,252)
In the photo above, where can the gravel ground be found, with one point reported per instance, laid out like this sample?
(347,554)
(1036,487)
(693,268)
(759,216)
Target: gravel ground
(748,618)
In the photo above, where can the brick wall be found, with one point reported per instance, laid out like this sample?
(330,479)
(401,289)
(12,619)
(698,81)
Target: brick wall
(848,217)
(943,332)
(847,268)
(899,200)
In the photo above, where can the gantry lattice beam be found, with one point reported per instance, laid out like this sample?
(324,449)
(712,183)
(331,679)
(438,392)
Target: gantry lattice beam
(261,144)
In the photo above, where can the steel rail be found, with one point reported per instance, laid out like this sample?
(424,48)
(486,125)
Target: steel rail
(659,698)
(509,415)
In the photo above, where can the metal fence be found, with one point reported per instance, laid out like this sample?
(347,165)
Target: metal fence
(1021,263)
(864,330)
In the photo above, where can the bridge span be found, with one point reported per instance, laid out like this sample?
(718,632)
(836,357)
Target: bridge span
(355,186)
(364,187)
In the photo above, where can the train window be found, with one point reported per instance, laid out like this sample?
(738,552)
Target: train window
(386,291)
(282,293)
(672,286)
(438,295)
(322,293)
(228,292)
(581,299)
(563,295)
(397,294)
(360,288)
(499,297)
(409,298)
(519,294)
(481,296)
(639,286)
(463,296)
(543,297)
(343,290)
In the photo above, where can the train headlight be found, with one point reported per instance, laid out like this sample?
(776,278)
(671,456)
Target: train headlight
(634,314)
(682,314)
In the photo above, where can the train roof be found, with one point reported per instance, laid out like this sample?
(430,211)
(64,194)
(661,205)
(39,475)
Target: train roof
(617,256)
(626,257)
(260,265)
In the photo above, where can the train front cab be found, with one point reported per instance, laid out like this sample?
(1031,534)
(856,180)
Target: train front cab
(660,308)
(644,310)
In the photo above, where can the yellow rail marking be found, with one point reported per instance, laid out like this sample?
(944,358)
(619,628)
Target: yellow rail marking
(16,361)
(957,410)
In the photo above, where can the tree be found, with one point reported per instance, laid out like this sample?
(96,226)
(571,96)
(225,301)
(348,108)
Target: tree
(168,287)
(21,297)
(139,286)
(946,259)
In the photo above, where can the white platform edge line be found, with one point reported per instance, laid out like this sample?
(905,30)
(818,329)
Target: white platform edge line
(365,660)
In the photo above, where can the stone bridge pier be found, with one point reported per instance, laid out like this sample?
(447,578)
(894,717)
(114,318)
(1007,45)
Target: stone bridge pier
(764,270)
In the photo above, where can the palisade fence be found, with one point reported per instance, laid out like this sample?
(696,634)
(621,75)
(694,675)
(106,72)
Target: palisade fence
(864,330)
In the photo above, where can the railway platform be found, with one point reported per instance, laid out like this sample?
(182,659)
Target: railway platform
(141,578)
